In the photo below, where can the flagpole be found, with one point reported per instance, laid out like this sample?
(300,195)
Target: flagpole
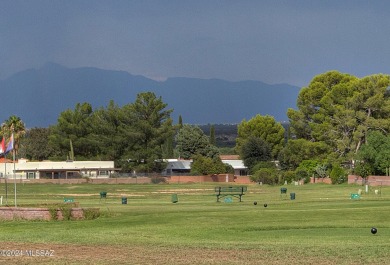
(14,173)
(5,180)
(3,153)
(10,147)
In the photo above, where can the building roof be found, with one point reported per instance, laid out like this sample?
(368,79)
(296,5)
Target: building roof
(236,164)
(24,165)
(180,165)
(5,160)
(229,157)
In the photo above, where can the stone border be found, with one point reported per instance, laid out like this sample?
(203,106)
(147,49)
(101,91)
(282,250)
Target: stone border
(22,213)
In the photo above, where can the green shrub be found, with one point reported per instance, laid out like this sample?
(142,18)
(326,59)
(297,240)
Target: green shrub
(65,209)
(66,212)
(158,180)
(266,176)
(209,166)
(288,176)
(91,213)
(53,213)
(263,164)
(338,175)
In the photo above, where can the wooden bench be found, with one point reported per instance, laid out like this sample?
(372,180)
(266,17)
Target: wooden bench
(235,191)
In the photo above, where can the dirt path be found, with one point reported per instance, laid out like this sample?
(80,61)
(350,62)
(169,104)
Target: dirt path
(26,253)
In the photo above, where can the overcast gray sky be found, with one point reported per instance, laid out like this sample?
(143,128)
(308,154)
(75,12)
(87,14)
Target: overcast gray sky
(271,41)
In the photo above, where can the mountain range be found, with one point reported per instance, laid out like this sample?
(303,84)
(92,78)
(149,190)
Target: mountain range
(38,96)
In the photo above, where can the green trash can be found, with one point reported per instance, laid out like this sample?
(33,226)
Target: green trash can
(103,194)
(283,192)
(292,196)
(174,198)
(124,200)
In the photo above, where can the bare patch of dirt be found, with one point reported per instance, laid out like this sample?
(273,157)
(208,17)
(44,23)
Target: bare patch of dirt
(81,254)
(79,194)
(113,195)
(185,190)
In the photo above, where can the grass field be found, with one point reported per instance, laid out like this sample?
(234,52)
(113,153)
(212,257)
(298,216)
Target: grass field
(323,225)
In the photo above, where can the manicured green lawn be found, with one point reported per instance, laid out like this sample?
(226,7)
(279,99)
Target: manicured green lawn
(322,225)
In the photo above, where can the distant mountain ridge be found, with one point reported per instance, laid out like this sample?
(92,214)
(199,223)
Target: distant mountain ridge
(38,96)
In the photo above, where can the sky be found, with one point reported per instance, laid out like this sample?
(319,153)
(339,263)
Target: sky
(271,41)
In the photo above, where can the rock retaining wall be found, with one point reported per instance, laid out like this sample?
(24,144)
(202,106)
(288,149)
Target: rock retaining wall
(21,213)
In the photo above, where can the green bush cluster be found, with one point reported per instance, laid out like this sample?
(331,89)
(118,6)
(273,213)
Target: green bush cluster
(91,213)
(158,180)
(209,166)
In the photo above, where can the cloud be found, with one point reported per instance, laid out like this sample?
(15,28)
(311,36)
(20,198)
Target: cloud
(271,41)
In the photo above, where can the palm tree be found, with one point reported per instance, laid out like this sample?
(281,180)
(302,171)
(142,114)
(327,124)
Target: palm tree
(14,125)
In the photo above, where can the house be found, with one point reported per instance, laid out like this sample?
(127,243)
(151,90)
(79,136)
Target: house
(177,167)
(25,169)
(183,167)
(238,165)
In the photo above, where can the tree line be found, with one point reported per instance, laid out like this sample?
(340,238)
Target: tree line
(340,126)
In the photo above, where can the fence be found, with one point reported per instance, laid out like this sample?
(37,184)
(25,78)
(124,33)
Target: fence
(371,180)
(131,179)
(128,180)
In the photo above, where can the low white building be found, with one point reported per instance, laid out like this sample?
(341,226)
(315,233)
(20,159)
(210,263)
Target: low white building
(24,169)
(179,166)
(238,165)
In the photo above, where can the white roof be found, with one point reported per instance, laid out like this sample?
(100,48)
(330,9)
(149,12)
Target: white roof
(186,164)
(236,164)
(180,164)
(63,165)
